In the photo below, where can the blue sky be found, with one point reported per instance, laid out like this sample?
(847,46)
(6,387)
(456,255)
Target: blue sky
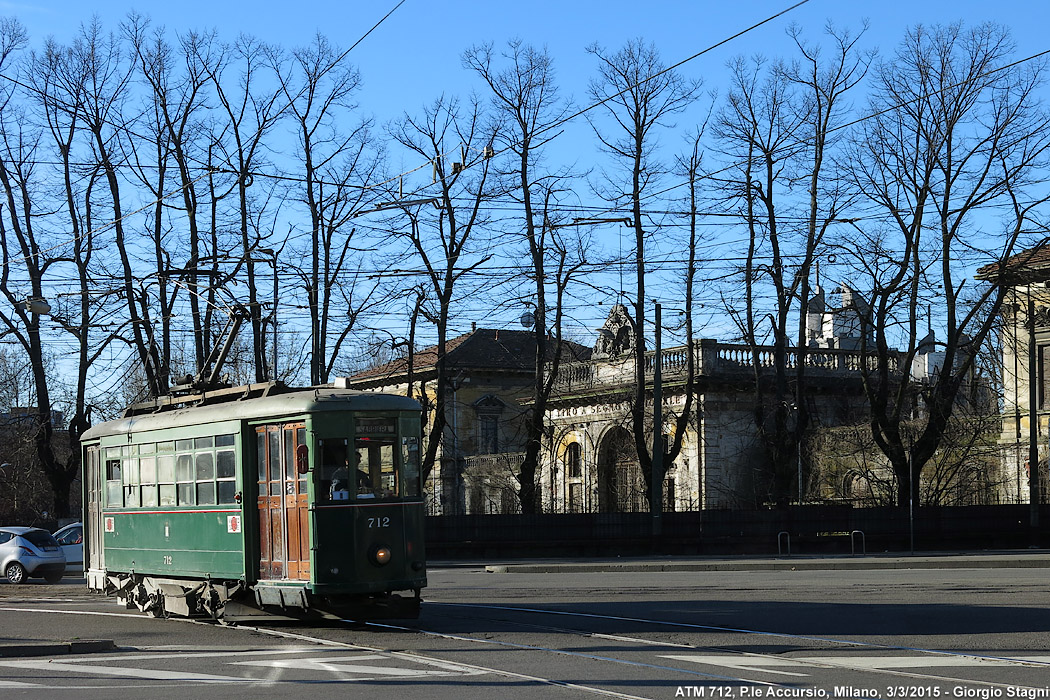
(414,55)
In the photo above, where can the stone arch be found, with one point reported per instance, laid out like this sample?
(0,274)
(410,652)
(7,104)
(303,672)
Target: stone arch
(856,487)
(573,493)
(621,488)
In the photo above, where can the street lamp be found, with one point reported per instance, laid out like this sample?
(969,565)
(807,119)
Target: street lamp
(35,305)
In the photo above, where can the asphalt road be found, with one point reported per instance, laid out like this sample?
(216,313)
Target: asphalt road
(979,633)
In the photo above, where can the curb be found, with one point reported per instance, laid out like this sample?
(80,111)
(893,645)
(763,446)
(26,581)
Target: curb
(845,564)
(79,646)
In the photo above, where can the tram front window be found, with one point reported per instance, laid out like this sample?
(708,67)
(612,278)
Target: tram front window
(366,472)
(376,469)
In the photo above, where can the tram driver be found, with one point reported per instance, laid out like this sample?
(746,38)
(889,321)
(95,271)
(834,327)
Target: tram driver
(340,489)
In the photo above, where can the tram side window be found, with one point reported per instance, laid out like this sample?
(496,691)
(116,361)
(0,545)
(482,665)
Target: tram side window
(335,472)
(184,474)
(205,468)
(148,476)
(226,474)
(174,472)
(114,485)
(198,474)
(410,466)
(166,479)
(130,472)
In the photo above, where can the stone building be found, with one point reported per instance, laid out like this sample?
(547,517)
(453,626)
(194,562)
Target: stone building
(1025,347)
(591,463)
(490,379)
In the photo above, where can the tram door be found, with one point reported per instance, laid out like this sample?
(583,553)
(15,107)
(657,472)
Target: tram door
(95,559)
(284,536)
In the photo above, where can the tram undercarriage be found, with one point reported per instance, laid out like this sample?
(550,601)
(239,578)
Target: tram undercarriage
(232,601)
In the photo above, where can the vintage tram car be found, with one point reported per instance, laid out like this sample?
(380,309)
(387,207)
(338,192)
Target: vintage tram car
(302,501)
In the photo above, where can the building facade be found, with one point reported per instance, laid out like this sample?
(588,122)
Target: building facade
(490,377)
(1025,345)
(591,464)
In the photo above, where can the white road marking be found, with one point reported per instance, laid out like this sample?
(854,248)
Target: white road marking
(345,665)
(738,663)
(420,658)
(320,660)
(862,663)
(146,673)
(159,653)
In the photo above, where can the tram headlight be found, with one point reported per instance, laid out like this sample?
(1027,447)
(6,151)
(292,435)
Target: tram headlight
(381,555)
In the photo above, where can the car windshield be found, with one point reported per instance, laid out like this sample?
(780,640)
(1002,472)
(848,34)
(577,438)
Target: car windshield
(70,535)
(41,538)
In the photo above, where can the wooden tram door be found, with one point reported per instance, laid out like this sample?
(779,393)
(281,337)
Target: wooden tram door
(284,516)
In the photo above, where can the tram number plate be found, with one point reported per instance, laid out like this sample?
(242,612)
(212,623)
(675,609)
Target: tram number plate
(378,522)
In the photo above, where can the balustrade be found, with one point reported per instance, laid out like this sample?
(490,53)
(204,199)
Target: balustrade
(712,359)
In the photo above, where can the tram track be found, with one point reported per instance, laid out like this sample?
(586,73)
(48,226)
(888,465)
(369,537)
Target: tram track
(727,650)
(578,641)
(641,642)
(723,629)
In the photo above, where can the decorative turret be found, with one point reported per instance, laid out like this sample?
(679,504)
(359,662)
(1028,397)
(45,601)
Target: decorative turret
(839,327)
(616,337)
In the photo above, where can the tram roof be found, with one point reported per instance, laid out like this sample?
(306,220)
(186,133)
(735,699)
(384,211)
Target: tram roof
(291,403)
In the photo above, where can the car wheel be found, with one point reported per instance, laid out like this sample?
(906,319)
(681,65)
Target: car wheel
(53,578)
(16,573)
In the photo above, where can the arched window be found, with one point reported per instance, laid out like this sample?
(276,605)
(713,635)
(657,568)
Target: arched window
(574,460)
(488,409)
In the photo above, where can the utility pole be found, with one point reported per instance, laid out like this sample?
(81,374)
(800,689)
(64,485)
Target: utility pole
(656,500)
(1033,423)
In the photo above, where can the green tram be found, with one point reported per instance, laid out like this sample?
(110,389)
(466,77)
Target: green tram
(298,501)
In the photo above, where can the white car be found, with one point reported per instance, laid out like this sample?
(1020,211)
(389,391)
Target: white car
(30,551)
(71,540)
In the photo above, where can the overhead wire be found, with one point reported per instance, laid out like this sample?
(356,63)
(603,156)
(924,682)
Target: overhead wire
(566,119)
(209,169)
(651,195)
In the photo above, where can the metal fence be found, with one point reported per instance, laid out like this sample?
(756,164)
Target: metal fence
(794,530)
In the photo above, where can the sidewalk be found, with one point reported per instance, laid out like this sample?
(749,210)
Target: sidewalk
(1007,559)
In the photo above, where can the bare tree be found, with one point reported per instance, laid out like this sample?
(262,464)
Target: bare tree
(337,162)
(444,232)
(251,109)
(177,78)
(29,256)
(641,95)
(689,166)
(958,137)
(525,94)
(778,126)
(88,81)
